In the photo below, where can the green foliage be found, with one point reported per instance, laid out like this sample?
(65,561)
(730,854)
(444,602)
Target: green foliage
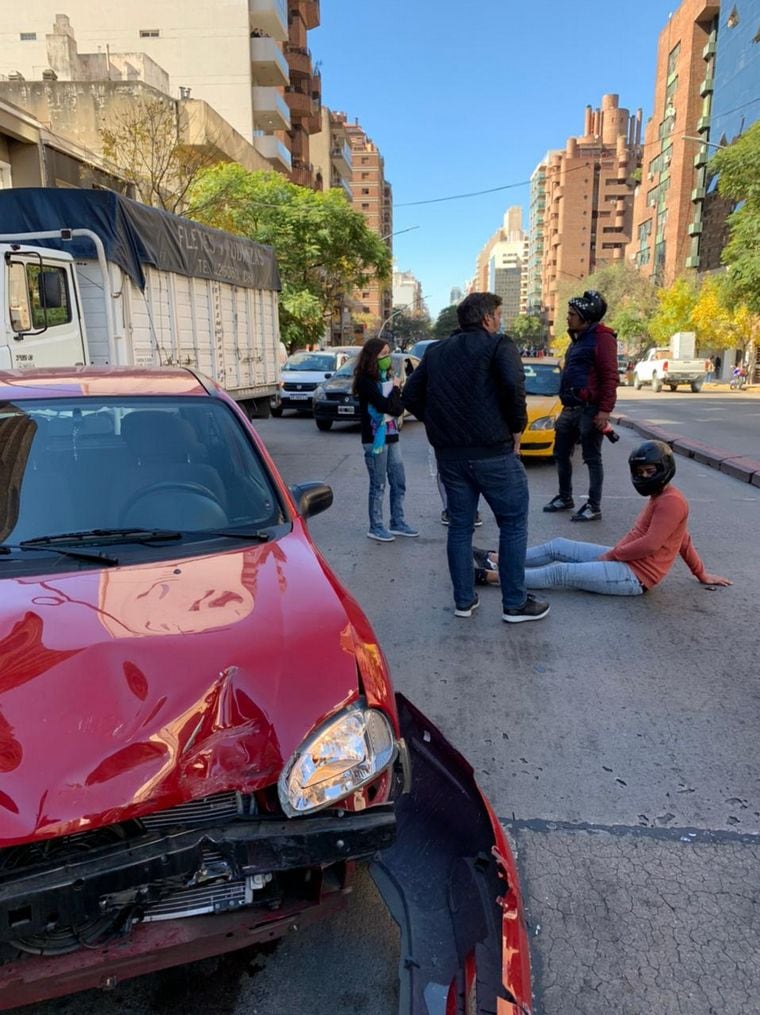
(674,312)
(528,328)
(631,300)
(407,328)
(738,167)
(324,248)
(446,322)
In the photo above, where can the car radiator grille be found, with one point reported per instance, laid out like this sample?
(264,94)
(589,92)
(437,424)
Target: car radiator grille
(218,809)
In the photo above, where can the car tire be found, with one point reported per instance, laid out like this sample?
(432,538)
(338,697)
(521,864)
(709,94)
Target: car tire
(656,383)
(636,383)
(672,387)
(276,411)
(696,387)
(324,424)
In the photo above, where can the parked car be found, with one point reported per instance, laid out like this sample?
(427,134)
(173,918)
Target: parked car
(671,366)
(418,349)
(542,378)
(334,400)
(198,731)
(303,371)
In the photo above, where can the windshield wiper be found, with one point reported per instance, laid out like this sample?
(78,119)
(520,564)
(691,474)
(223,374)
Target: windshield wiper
(104,536)
(256,536)
(92,556)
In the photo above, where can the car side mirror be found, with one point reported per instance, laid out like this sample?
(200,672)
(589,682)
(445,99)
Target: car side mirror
(311,498)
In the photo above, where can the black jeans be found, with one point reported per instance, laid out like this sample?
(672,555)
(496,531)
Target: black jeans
(573,425)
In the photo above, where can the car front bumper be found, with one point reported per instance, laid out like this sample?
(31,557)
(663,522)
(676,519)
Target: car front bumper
(340,411)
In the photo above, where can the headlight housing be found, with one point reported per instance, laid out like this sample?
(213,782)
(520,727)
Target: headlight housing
(319,392)
(542,423)
(347,752)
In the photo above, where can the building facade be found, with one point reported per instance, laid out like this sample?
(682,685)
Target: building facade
(588,199)
(247,59)
(407,293)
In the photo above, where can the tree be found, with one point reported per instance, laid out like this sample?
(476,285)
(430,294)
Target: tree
(710,316)
(446,322)
(631,299)
(738,169)
(407,327)
(324,248)
(528,329)
(674,311)
(144,140)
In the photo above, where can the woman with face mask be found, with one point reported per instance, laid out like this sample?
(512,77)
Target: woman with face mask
(380,406)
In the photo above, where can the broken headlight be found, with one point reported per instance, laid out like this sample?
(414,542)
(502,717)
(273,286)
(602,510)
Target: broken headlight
(345,754)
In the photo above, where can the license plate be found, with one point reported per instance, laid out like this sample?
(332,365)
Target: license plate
(346,410)
(298,394)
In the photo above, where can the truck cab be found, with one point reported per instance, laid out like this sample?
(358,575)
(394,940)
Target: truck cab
(42,324)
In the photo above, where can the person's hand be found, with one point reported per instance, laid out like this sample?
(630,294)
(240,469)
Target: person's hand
(396,382)
(601,420)
(714,579)
(516,438)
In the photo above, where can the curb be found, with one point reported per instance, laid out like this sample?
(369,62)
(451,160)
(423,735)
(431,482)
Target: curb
(741,467)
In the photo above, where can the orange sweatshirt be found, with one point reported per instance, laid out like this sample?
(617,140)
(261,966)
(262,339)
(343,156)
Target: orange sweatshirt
(658,534)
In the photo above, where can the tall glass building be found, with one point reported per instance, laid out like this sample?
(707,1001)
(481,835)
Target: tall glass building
(736,91)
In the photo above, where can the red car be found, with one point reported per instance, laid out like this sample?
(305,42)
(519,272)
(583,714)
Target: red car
(198,731)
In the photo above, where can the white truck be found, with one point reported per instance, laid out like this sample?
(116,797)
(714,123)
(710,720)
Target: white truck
(89,277)
(668,367)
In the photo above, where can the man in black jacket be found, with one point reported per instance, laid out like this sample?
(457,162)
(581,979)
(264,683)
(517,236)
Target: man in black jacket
(469,390)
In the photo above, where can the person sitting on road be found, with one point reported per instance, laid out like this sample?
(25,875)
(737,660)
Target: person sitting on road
(637,562)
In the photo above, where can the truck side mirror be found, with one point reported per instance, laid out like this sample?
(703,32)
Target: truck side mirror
(50,289)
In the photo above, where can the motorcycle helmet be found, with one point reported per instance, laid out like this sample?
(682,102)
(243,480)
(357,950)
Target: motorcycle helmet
(591,306)
(656,453)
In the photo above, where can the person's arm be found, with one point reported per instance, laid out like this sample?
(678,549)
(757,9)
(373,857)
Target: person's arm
(511,384)
(607,376)
(665,518)
(389,404)
(415,391)
(694,563)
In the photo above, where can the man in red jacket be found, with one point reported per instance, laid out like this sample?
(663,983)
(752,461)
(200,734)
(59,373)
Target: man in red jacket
(588,390)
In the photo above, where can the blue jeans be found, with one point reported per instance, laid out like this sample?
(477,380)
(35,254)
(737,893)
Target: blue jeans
(573,425)
(387,463)
(504,485)
(567,564)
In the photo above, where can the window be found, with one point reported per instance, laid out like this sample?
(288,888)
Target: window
(365,190)
(39,296)
(149,33)
(673,58)
(365,206)
(28,36)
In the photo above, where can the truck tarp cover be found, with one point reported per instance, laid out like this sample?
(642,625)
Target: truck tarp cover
(135,234)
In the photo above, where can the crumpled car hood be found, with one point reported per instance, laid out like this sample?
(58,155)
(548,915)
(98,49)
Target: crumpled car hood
(133,689)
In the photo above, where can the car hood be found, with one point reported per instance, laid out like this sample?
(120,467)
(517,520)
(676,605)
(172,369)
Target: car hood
(305,376)
(542,405)
(134,689)
(339,384)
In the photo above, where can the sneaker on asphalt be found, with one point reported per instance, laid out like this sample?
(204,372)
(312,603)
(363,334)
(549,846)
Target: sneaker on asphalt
(444,518)
(531,609)
(478,519)
(466,611)
(381,535)
(586,514)
(559,504)
(403,530)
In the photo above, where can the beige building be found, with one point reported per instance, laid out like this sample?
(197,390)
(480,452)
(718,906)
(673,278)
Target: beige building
(247,59)
(501,266)
(667,216)
(588,198)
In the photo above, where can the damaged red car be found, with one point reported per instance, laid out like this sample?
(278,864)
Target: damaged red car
(198,732)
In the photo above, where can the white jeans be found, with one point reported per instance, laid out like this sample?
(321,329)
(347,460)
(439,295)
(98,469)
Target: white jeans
(565,563)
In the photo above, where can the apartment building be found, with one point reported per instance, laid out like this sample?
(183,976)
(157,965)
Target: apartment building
(667,215)
(247,59)
(331,154)
(407,293)
(588,198)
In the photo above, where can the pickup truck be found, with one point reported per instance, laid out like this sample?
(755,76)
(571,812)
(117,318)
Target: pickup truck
(660,369)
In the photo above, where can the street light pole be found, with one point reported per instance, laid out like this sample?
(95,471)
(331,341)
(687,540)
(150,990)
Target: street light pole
(700,140)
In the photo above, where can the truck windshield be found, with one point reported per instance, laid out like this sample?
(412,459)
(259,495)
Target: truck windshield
(74,465)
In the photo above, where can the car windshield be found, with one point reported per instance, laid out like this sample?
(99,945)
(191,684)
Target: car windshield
(347,370)
(418,349)
(320,362)
(74,465)
(541,378)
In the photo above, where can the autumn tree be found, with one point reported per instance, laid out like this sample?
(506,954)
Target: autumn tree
(144,139)
(674,310)
(324,248)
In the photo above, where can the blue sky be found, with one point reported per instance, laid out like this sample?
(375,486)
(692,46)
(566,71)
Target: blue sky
(469,95)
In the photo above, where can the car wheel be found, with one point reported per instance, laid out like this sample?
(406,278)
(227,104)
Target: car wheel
(636,383)
(276,411)
(696,387)
(672,387)
(656,383)
(324,424)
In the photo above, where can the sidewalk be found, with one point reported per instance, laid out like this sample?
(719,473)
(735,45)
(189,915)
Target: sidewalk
(740,467)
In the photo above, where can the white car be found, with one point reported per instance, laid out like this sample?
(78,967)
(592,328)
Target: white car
(303,371)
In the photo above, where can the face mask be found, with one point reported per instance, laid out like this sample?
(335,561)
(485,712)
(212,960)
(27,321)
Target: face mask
(384,362)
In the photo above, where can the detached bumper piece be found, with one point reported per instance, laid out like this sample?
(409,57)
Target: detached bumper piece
(136,898)
(450,883)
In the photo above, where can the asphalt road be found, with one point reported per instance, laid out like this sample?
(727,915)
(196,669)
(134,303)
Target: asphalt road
(726,419)
(617,741)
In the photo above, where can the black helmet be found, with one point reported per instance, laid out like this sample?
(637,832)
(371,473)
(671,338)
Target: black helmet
(656,453)
(591,306)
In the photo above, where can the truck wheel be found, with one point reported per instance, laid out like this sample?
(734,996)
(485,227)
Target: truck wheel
(656,383)
(324,424)
(636,383)
(696,387)
(276,411)
(672,387)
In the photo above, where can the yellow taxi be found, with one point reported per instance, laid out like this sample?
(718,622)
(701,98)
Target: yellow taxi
(542,394)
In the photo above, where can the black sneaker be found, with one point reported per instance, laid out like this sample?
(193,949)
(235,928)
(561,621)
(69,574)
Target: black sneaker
(531,609)
(444,518)
(466,611)
(559,503)
(587,514)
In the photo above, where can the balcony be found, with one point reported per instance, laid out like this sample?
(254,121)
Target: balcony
(270,112)
(310,12)
(709,49)
(702,157)
(274,151)
(300,104)
(340,153)
(703,124)
(698,194)
(692,261)
(695,228)
(301,174)
(268,65)
(345,186)
(708,86)
(299,61)
(269,17)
